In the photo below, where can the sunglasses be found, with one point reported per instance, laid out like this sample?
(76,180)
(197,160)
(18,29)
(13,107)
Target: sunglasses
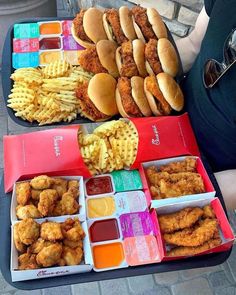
(214,70)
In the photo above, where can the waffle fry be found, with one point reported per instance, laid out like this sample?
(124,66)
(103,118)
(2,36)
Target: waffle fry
(57,69)
(28,75)
(47,95)
(112,146)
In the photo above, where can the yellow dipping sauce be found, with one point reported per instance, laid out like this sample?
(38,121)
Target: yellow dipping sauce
(72,56)
(100,207)
(49,56)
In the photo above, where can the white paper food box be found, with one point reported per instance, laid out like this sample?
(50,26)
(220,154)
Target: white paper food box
(23,275)
(81,199)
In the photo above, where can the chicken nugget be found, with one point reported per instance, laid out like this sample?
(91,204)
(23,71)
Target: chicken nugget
(20,247)
(60,185)
(73,244)
(179,220)
(23,193)
(27,211)
(68,204)
(49,255)
(28,231)
(73,188)
(47,201)
(72,256)
(76,233)
(41,182)
(38,245)
(27,261)
(51,231)
(35,194)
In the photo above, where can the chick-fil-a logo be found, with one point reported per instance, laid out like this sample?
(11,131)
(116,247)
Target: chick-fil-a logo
(56,144)
(155,140)
(43,273)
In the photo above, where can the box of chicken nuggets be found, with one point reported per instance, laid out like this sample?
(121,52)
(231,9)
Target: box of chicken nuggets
(42,248)
(195,227)
(44,196)
(175,180)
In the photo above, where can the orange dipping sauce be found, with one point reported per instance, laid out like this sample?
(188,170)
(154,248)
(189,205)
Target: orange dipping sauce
(108,255)
(50,28)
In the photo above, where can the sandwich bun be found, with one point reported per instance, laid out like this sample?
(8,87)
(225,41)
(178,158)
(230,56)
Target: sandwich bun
(138,94)
(85,44)
(156,23)
(168,94)
(126,23)
(168,57)
(139,56)
(93,25)
(138,48)
(106,51)
(107,28)
(171,91)
(101,91)
(137,99)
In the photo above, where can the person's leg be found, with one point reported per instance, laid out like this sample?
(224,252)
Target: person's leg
(227,184)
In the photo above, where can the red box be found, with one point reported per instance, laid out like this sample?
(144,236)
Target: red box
(226,232)
(210,191)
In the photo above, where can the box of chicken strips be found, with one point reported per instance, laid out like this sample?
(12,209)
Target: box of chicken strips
(195,227)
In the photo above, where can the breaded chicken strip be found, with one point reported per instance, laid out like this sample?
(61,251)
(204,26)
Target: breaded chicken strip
(113,19)
(129,105)
(129,67)
(90,62)
(73,188)
(182,187)
(162,105)
(208,212)
(141,19)
(86,105)
(193,237)
(188,251)
(187,165)
(179,220)
(152,56)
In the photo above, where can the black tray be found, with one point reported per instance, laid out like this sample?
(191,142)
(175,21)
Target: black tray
(188,263)
(7,70)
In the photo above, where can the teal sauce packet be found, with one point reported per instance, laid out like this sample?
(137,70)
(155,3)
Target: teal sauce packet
(25,60)
(29,30)
(126,180)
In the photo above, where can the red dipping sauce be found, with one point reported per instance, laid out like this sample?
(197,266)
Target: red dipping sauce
(104,230)
(99,185)
(50,43)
